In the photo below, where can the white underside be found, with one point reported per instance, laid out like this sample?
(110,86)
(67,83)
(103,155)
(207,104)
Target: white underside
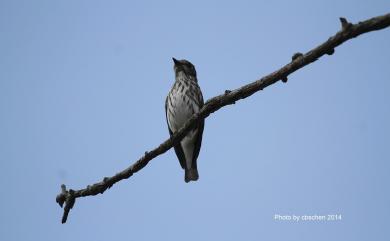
(182,114)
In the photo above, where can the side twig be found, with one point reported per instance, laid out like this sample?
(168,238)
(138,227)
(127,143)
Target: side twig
(299,60)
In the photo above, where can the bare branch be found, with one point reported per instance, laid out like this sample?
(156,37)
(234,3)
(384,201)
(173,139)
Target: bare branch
(299,60)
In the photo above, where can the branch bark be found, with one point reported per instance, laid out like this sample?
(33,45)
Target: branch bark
(299,60)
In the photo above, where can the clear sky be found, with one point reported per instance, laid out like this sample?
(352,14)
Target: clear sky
(82,91)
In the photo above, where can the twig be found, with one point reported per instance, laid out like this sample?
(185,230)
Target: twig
(299,60)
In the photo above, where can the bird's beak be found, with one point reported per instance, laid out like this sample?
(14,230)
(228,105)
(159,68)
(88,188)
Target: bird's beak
(175,61)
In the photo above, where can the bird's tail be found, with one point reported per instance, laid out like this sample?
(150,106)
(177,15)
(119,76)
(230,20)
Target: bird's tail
(191,175)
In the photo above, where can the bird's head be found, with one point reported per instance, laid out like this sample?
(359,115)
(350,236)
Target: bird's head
(184,66)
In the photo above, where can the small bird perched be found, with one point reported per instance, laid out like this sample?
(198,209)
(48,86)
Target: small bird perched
(183,100)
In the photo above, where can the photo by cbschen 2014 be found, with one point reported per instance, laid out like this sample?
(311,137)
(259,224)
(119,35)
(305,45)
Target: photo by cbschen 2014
(298,218)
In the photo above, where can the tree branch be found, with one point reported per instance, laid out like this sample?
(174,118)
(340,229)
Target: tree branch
(299,60)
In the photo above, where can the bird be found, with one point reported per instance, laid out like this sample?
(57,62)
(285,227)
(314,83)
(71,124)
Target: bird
(183,100)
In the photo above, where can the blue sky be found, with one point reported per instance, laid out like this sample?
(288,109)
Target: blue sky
(82,91)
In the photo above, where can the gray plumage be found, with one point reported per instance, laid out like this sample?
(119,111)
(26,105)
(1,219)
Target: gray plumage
(183,100)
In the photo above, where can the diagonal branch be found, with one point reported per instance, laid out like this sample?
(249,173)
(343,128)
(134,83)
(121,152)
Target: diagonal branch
(299,60)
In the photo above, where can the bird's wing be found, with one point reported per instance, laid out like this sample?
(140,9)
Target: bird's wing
(178,149)
(198,143)
(199,134)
